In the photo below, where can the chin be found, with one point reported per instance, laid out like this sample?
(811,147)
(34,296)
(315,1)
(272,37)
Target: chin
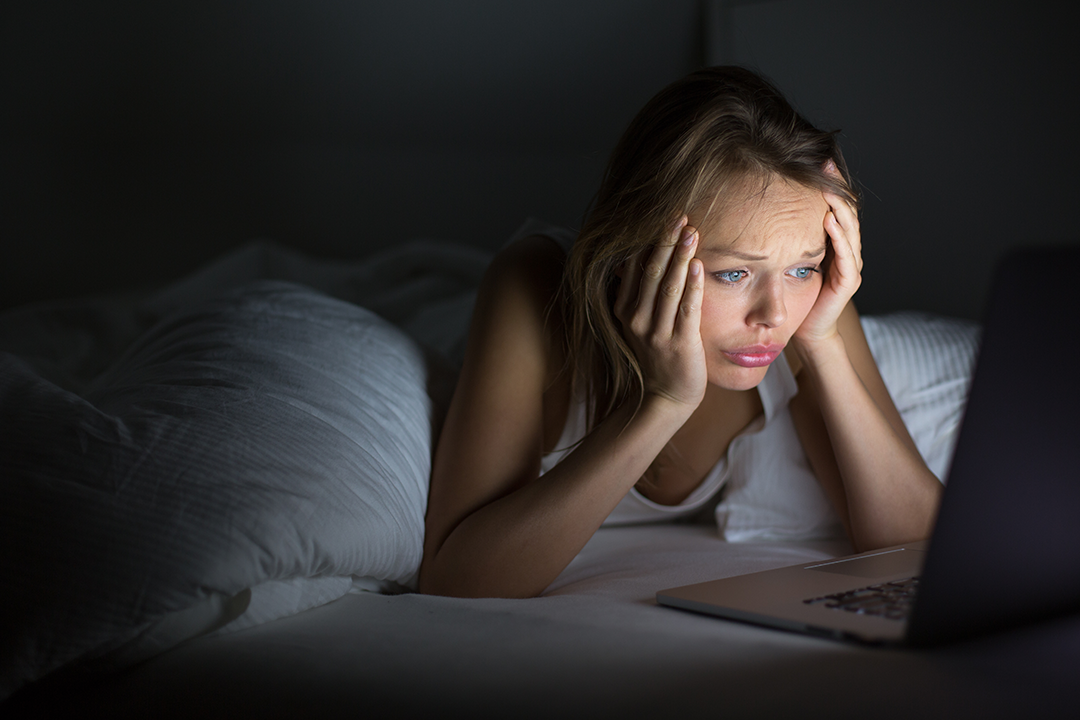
(738,378)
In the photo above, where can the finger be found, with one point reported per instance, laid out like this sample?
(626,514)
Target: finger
(847,225)
(688,322)
(844,211)
(850,216)
(846,262)
(671,291)
(654,271)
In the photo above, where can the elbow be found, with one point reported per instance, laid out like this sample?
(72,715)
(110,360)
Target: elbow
(906,520)
(433,581)
(883,535)
(437,578)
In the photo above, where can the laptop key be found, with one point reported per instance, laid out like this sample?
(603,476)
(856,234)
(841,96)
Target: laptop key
(891,600)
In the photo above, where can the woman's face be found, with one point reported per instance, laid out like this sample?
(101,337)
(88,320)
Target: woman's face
(763,254)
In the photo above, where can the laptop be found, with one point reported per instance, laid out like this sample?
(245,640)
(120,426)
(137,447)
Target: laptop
(1005,549)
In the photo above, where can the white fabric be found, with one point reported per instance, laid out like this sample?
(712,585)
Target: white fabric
(753,451)
(927,363)
(274,442)
(773,493)
(425,287)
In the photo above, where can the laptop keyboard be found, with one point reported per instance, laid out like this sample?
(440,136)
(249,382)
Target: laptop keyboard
(890,600)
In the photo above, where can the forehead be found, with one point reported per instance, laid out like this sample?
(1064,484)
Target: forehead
(758,215)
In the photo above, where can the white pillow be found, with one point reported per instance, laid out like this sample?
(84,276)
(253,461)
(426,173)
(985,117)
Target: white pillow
(242,461)
(926,362)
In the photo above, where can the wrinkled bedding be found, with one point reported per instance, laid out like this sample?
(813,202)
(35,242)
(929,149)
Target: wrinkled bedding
(254,441)
(177,465)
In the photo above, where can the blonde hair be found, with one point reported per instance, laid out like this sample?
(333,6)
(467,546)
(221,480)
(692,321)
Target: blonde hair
(690,142)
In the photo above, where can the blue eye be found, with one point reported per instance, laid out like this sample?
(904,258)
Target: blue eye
(731,276)
(803,273)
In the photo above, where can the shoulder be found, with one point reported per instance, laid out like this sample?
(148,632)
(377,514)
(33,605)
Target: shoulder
(515,309)
(536,261)
(523,280)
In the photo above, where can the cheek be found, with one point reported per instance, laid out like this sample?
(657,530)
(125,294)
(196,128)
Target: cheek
(719,312)
(800,303)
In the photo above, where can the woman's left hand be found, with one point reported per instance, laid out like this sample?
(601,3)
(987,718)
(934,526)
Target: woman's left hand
(842,274)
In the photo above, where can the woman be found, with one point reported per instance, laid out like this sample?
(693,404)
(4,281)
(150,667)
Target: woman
(724,241)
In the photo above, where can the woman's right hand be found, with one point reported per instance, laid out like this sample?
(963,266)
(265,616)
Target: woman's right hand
(659,306)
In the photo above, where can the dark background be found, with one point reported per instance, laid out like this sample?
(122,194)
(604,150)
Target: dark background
(139,140)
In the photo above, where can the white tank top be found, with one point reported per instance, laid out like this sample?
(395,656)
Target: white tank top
(759,440)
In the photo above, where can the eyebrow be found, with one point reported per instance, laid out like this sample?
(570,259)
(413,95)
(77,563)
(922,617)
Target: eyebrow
(750,257)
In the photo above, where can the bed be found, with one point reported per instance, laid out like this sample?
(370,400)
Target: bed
(212,505)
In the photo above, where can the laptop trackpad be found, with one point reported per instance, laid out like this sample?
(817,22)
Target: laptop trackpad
(872,566)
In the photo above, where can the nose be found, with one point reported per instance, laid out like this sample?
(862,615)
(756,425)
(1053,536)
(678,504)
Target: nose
(768,306)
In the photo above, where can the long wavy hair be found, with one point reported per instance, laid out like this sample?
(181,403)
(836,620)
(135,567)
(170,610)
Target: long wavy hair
(689,143)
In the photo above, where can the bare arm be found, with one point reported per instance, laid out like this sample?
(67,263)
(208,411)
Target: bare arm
(854,437)
(494,528)
(516,545)
(882,490)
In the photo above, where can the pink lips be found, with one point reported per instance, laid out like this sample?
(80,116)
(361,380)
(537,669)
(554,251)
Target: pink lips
(754,356)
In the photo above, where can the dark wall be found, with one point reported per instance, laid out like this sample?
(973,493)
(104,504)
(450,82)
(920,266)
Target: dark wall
(141,139)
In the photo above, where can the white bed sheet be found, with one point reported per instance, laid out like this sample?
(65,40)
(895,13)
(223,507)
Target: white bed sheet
(596,645)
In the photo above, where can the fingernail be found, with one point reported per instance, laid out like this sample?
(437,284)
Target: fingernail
(688,236)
